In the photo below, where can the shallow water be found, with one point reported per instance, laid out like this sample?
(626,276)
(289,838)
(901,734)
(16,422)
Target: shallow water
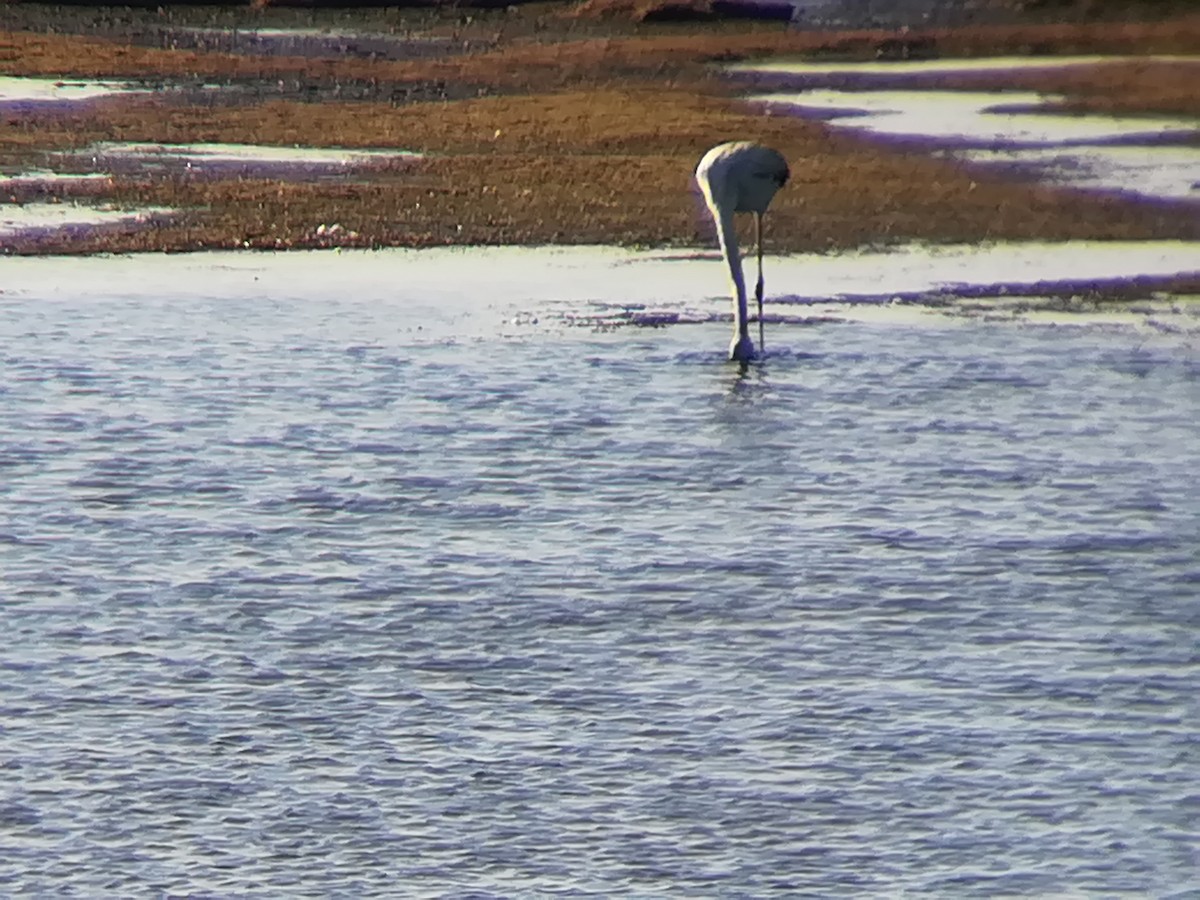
(32,219)
(316,42)
(1006,128)
(902,68)
(15,90)
(46,177)
(1016,129)
(257,160)
(350,574)
(1007,118)
(1169,173)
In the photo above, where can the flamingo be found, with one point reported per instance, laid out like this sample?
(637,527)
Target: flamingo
(740,176)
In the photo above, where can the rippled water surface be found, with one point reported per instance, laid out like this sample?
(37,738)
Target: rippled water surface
(377,576)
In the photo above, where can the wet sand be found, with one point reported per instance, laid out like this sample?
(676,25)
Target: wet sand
(543,129)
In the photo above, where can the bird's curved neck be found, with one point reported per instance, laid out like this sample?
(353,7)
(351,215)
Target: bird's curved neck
(727,235)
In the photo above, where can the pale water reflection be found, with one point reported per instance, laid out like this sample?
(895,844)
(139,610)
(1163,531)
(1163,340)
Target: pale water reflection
(350,574)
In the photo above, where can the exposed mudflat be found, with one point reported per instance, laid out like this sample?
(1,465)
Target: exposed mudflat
(550,128)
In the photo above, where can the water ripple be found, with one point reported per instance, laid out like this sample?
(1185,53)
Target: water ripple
(300,603)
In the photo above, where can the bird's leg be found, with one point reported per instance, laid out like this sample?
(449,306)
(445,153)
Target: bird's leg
(758,289)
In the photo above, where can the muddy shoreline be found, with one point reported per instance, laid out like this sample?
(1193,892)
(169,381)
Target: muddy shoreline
(538,129)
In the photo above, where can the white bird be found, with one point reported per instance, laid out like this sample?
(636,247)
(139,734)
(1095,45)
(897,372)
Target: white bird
(740,176)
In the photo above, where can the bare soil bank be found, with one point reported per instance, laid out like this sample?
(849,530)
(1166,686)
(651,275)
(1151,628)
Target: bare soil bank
(566,138)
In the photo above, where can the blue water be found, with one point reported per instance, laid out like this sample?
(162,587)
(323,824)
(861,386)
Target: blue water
(308,594)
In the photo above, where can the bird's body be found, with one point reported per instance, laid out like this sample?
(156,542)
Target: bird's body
(740,176)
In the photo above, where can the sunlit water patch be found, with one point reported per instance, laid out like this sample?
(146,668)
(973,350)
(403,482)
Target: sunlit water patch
(30,220)
(18,90)
(809,68)
(899,285)
(335,572)
(1169,173)
(225,159)
(1006,128)
(47,177)
(313,42)
(607,286)
(1012,128)
(38,181)
(971,117)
